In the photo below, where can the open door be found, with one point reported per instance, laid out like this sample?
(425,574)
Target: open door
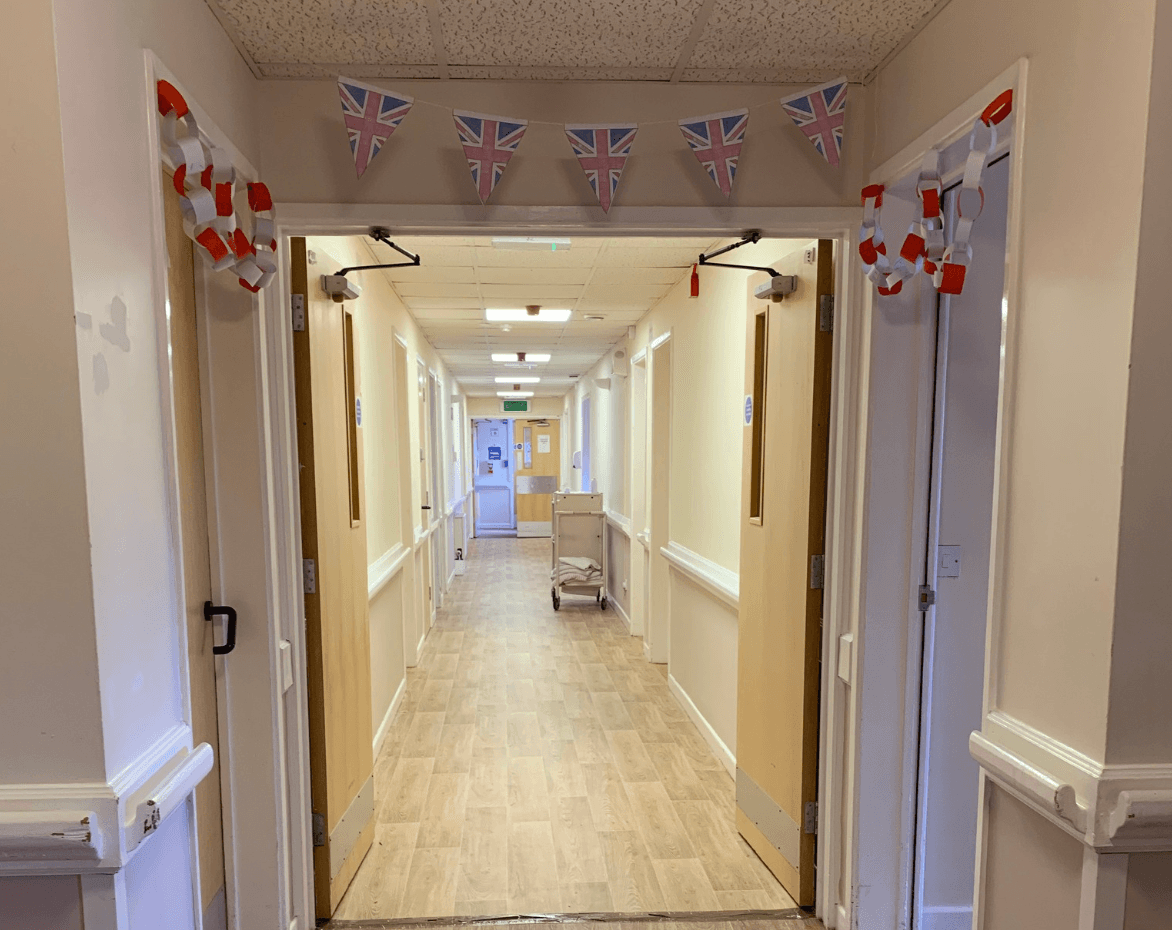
(784,477)
(538,460)
(337,631)
(197,578)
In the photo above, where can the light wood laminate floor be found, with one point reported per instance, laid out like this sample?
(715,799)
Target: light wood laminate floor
(539,763)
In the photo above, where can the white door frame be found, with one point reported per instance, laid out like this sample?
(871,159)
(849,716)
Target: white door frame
(512,472)
(871,771)
(266,524)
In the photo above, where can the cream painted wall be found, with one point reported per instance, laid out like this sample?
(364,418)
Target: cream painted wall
(52,725)
(82,383)
(308,160)
(1074,327)
(1084,632)
(708,361)
(378,316)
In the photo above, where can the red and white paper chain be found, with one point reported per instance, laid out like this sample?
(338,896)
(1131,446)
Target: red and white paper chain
(205,180)
(924,248)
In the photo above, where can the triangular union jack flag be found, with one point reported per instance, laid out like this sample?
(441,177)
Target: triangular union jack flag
(371,116)
(819,112)
(603,153)
(716,140)
(489,142)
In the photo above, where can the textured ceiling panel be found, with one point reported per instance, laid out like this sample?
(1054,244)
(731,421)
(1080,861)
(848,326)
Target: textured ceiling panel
(821,36)
(567,33)
(729,41)
(332,31)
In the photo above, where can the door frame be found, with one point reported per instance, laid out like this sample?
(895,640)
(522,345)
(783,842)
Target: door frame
(274,514)
(869,770)
(657,642)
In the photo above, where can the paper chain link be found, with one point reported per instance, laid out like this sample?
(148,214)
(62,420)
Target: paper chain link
(924,248)
(206,183)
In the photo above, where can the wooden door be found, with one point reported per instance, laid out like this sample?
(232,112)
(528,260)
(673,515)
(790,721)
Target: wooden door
(337,631)
(538,466)
(787,384)
(197,582)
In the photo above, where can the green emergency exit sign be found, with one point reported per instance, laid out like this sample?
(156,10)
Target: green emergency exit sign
(515,406)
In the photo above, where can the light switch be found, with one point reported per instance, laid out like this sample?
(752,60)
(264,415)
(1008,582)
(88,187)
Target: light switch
(948,562)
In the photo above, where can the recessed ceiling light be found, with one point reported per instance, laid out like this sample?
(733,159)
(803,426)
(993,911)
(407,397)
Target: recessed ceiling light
(516,380)
(521,315)
(531,243)
(517,357)
(514,393)
(595,317)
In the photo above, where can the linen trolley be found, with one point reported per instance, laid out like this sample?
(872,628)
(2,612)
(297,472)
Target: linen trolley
(579,547)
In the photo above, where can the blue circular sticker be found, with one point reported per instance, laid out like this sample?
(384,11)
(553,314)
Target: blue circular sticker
(748,409)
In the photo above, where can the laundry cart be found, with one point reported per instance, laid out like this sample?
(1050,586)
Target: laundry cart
(579,547)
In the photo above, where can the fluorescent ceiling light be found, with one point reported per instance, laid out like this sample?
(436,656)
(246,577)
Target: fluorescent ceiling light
(517,380)
(514,393)
(513,357)
(521,315)
(531,243)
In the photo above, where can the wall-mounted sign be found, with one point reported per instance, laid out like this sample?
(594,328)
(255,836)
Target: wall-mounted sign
(543,443)
(748,409)
(358,411)
(494,453)
(514,406)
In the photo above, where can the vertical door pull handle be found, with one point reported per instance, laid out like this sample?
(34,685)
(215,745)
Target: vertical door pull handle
(211,610)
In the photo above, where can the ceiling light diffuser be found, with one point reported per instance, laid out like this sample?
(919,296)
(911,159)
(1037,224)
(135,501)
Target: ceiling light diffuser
(514,393)
(515,357)
(517,380)
(521,315)
(531,243)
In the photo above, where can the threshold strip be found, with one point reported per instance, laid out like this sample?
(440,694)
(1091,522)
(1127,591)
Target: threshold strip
(793,913)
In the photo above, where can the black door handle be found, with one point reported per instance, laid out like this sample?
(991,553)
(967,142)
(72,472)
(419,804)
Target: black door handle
(211,610)
(425,507)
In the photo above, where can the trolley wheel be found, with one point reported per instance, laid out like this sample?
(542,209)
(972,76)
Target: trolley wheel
(603,603)
(598,595)
(557,601)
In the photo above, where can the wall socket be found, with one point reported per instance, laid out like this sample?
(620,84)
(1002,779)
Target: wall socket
(811,255)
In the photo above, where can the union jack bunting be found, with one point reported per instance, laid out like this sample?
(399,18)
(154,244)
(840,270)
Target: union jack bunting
(602,152)
(818,113)
(489,142)
(371,116)
(716,141)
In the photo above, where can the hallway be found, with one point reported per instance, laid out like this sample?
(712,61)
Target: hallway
(539,764)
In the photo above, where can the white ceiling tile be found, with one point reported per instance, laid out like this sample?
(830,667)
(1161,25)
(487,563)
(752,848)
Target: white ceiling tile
(533,275)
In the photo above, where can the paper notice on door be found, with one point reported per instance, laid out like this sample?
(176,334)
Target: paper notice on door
(543,443)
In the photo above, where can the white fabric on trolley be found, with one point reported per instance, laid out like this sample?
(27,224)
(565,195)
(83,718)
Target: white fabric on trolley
(578,570)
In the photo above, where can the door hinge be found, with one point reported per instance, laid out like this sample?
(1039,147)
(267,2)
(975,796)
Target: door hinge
(298,304)
(826,313)
(811,824)
(319,829)
(309,576)
(927,597)
(817,571)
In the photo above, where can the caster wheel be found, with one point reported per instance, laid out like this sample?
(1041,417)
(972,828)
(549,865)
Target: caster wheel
(603,603)
(597,596)
(557,601)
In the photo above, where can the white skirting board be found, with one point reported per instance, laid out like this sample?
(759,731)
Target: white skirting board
(618,609)
(723,753)
(531,528)
(947,918)
(389,717)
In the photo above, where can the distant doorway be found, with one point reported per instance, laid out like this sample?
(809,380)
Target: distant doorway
(493,478)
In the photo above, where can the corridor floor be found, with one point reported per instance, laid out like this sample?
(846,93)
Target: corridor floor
(540,764)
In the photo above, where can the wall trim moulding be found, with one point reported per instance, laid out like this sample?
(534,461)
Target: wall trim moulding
(723,583)
(619,522)
(380,573)
(1114,808)
(711,737)
(92,827)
